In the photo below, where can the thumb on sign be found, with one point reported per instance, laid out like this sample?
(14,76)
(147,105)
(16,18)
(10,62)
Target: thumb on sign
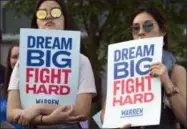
(127,126)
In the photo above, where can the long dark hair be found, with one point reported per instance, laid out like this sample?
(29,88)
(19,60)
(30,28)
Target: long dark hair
(69,25)
(8,70)
(155,13)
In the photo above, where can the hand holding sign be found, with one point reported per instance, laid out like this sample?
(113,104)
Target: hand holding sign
(159,69)
(49,61)
(132,94)
(126,126)
(61,115)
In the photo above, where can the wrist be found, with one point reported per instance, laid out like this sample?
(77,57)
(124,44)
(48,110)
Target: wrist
(170,89)
(175,90)
(41,108)
(38,108)
(46,120)
(168,85)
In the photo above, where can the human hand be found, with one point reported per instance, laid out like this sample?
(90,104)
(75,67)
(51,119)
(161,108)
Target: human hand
(127,126)
(27,115)
(160,70)
(63,115)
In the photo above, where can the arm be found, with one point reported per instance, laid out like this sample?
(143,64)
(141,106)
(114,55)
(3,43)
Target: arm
(47,109)
(84,98)
(86,89)
(16,114)
(83,101)
(13,105)
(83,105)
(178,101)
(14,110)
(103,113)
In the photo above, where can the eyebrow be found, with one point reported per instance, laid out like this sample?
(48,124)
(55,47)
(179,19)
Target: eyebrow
(143,22)
(50,8)
(149,21)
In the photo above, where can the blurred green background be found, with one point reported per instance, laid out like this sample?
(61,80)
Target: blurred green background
(103,22)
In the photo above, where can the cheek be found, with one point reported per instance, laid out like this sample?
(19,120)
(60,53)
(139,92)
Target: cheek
(135,37)
(16,60)
(154,33)
(40,24)
(60,23)
(12,61)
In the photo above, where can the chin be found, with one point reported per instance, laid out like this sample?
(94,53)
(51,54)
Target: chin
(50,28)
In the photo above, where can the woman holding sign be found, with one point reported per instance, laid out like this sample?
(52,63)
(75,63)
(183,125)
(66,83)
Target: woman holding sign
(145,23)
(51,14)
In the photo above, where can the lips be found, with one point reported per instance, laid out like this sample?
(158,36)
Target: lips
(49,24)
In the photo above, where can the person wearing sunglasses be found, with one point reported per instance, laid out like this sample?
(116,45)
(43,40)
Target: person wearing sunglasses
(146,26)
(145,23)
(55,12)
(52,14)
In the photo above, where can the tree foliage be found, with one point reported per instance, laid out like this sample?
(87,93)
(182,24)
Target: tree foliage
(106,22)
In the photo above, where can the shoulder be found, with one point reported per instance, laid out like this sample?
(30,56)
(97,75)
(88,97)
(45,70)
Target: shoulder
(83,58)
(14,79)
(178,69)
(84,61)
(86,78)
(16,68)
(85,65)
(178,73)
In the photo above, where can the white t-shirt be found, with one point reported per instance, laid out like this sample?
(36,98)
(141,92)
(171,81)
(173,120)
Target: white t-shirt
(86,78)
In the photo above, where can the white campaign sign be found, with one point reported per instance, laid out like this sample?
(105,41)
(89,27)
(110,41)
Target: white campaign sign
(133,95)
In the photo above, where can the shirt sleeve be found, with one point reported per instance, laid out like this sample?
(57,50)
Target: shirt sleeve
(86,77)
(14,79)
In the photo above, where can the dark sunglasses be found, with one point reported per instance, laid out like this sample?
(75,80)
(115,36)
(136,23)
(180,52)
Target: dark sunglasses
(41,14)
(147,27)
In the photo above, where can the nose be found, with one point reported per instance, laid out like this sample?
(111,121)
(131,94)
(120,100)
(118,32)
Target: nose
(141,30)
(49,16)
(141,34)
